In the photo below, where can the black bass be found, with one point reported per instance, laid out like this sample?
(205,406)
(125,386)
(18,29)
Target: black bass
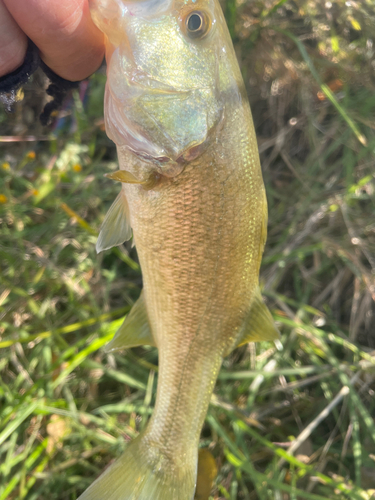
(193,197)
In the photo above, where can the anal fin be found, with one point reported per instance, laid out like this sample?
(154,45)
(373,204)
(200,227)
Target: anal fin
(135,329)
(116,225)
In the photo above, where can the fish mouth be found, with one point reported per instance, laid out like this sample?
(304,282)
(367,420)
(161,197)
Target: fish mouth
(162,118)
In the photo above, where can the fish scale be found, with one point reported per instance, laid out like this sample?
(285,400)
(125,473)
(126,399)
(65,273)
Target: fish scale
(198,250)
(193,195)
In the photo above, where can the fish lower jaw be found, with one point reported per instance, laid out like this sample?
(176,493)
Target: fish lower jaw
(170,165)
(163,165)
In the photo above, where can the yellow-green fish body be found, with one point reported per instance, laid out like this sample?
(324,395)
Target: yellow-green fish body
(193,195)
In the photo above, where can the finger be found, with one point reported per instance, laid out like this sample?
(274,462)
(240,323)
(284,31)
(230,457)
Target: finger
(13,42)
(69,42)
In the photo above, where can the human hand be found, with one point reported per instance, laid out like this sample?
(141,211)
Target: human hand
(69,42)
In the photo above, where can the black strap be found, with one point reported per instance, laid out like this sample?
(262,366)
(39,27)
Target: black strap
(9,84)
(58,88)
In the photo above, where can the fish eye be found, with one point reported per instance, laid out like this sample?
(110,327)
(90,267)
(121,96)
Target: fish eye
(197,24)
(194,22)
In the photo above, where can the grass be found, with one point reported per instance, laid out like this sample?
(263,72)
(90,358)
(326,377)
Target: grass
(287,422)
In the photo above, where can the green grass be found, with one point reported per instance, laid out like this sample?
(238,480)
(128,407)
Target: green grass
(294,421)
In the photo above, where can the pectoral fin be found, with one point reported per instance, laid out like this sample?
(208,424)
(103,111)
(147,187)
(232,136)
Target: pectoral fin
(123,176)
(259,325)
(116,226)
(135,329)
(128,178)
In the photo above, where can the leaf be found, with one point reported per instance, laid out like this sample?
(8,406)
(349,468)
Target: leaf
(355,24)
(207,471)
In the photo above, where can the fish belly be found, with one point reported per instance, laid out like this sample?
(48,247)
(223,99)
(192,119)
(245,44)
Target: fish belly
(198,237)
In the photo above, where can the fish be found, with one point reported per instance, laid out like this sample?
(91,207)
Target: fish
(193,200)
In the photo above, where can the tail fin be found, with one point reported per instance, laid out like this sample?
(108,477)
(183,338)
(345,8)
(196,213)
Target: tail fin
(144,473)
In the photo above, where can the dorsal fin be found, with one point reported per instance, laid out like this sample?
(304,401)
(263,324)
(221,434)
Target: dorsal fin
(259,325)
